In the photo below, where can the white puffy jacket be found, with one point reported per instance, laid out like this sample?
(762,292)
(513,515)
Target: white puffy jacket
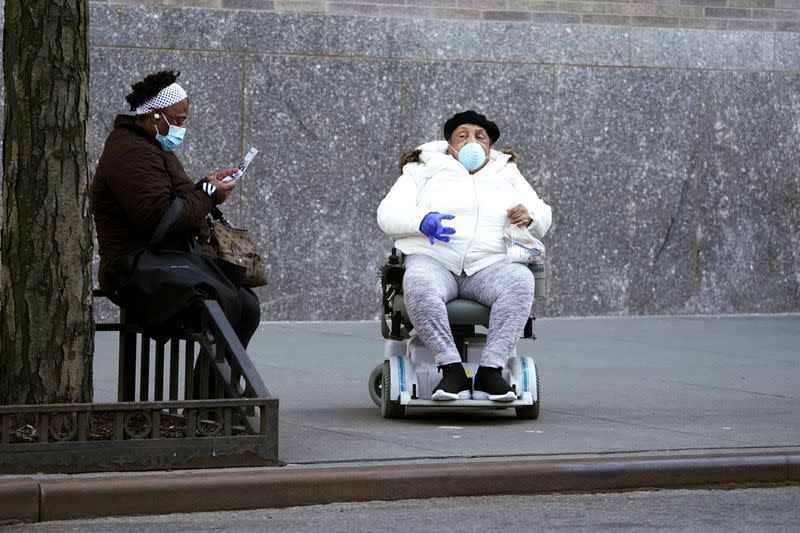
(439,183)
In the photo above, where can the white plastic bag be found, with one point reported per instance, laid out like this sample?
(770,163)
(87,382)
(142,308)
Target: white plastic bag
(522,247)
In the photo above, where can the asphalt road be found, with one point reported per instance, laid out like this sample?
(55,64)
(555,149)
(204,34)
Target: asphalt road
(775,509)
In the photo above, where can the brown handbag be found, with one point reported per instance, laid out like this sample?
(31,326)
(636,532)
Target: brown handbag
(236,246)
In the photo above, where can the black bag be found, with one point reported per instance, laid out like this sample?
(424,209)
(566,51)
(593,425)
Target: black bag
(157,285)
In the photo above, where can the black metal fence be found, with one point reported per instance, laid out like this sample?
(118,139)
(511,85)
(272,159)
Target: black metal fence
(194,400)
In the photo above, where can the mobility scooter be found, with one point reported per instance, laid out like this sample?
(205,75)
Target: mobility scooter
(408,374)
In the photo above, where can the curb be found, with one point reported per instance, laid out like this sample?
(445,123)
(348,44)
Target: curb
(31,500)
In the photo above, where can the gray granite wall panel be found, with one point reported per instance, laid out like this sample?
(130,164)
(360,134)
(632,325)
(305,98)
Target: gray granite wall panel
(536,43)
(328,130)
(122,25)
(787,51)
(749,198)
(706,49)
(245,31)
(410,38)
(622,191)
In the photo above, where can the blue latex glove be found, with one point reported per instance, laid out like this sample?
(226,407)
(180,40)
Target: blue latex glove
(431,227)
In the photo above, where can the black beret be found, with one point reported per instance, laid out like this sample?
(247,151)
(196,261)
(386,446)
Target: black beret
(471,117)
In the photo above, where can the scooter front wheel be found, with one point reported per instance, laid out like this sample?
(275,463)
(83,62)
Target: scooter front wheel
(531,412)
(390,408)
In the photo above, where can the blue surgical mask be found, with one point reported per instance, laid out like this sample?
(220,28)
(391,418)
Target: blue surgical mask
(471,156)
(172,139)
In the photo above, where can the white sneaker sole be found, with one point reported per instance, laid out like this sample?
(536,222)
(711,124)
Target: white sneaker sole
(441,395)
(507,397)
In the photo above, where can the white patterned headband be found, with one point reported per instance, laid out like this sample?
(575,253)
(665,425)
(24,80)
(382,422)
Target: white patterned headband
(167,96)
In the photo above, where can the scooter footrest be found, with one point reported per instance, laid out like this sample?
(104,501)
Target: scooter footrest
(465,403)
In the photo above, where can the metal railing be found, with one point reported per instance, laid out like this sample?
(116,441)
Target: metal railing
(135,420)
(197,393)
(222,368)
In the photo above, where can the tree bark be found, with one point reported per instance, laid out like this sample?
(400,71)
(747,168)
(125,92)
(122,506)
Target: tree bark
(46,320)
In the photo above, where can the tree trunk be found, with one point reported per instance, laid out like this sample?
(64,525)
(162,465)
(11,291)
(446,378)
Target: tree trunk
(46,321)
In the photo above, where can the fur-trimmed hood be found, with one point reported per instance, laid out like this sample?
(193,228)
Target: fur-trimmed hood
(413,156)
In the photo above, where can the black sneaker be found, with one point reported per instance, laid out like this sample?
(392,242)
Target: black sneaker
(454,384)
(490,385)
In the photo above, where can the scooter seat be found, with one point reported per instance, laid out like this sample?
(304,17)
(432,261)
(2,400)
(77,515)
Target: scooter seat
(460,312)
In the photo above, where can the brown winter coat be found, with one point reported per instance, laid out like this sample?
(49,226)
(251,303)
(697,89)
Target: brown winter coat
(133,186)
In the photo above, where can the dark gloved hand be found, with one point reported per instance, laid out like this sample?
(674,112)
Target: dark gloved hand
(431,227)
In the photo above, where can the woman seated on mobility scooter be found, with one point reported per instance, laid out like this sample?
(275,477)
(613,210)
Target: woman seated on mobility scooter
(447,213)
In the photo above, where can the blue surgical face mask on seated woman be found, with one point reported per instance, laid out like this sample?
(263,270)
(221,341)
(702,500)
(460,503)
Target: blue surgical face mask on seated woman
(172,139)
(471,155)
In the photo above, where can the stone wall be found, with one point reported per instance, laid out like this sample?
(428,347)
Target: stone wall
(669,155)
(771,15)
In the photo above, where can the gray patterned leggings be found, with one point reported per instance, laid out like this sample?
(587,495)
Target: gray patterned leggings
(506,287)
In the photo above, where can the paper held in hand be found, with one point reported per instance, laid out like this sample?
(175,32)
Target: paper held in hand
(251,153)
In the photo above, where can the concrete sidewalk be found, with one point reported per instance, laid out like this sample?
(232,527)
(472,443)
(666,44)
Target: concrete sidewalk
(626,403)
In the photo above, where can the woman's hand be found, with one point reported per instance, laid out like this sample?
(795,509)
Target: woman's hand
(519,216)
(223,188)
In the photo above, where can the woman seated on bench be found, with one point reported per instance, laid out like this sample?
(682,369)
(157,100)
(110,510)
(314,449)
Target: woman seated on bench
(137,178)
(462,193)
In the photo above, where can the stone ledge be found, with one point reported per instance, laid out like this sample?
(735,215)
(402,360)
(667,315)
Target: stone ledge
(707,14)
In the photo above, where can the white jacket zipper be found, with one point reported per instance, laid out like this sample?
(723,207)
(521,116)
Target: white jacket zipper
(475,229)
